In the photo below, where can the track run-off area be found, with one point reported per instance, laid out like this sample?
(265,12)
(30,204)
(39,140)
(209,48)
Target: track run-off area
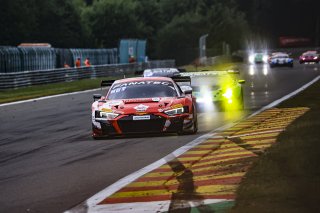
(49,163)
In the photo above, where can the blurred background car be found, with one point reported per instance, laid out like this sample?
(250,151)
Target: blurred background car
(161,72)
(258,58)
(309,57)
(280,59)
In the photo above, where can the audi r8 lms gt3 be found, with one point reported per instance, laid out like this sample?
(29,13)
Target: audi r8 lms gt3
(280,59)
(144,105)
(161,72)
(309,57)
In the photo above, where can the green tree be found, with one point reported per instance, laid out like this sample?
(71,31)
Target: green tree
(17,23)
(112,20)
(221,20)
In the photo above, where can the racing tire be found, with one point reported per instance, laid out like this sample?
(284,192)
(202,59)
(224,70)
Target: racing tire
(194,127)
(98,137)
(241,101)
(195,122)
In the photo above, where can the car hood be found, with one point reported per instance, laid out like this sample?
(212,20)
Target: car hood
(140,105)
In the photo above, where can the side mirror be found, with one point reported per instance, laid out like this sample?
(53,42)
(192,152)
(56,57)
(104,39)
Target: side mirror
(186,89)
(96,96)
(242,81)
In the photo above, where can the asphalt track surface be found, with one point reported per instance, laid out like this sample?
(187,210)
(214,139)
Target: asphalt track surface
(49,163)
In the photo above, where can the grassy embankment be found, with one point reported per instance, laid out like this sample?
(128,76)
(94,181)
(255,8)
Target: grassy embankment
(287,177)
(24,93)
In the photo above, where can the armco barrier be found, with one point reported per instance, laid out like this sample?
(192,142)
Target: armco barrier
(28,78)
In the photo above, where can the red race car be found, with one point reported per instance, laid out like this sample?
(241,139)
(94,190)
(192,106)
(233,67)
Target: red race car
(144,105)
(309,57)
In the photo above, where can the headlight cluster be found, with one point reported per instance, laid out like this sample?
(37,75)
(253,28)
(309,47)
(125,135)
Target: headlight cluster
(265,58)
(228,93)
(106,116)
(176,111)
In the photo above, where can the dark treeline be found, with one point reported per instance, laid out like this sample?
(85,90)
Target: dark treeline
(172,27)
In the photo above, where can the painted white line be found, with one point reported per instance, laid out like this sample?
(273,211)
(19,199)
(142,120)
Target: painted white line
(91,206)
(162,206)
(48,97)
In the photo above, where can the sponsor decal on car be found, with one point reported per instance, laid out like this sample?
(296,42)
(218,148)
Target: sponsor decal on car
(165,83)
(106,110)
(176,106)
(141,108)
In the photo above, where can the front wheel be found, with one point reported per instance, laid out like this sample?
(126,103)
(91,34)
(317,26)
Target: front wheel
(194,128)
(195,122)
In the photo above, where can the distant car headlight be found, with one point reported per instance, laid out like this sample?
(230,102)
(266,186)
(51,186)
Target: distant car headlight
(106,116)
(205,99)
(251,59)
(265,58)
(316,57)
(176,111)
(228,93)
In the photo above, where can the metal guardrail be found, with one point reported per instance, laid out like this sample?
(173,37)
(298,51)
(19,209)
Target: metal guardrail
(28,78)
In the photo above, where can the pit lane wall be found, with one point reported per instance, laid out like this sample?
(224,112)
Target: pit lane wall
(29,78)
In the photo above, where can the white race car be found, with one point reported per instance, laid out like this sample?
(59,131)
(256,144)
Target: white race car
(280,59)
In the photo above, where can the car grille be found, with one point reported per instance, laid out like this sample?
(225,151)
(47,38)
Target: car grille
(155,124)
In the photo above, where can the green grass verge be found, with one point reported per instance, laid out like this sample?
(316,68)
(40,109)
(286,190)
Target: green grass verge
(287,177)
(24,93)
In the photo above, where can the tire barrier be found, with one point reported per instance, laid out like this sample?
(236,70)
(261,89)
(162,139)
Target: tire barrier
(29,78)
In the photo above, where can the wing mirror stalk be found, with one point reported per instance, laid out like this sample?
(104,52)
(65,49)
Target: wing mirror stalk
(96,97)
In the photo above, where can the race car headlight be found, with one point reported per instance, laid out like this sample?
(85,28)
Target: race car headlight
(107,115)
(176,111)
(228,93)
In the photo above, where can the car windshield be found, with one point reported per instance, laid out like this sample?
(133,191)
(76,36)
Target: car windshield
(142,89)
(310,54)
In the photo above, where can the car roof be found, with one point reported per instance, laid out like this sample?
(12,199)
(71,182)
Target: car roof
(310,52)
(144,79)
(163,69)
(279,54)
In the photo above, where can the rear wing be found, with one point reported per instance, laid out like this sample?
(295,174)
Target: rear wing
(106,83)
(181,79)
(210,73)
